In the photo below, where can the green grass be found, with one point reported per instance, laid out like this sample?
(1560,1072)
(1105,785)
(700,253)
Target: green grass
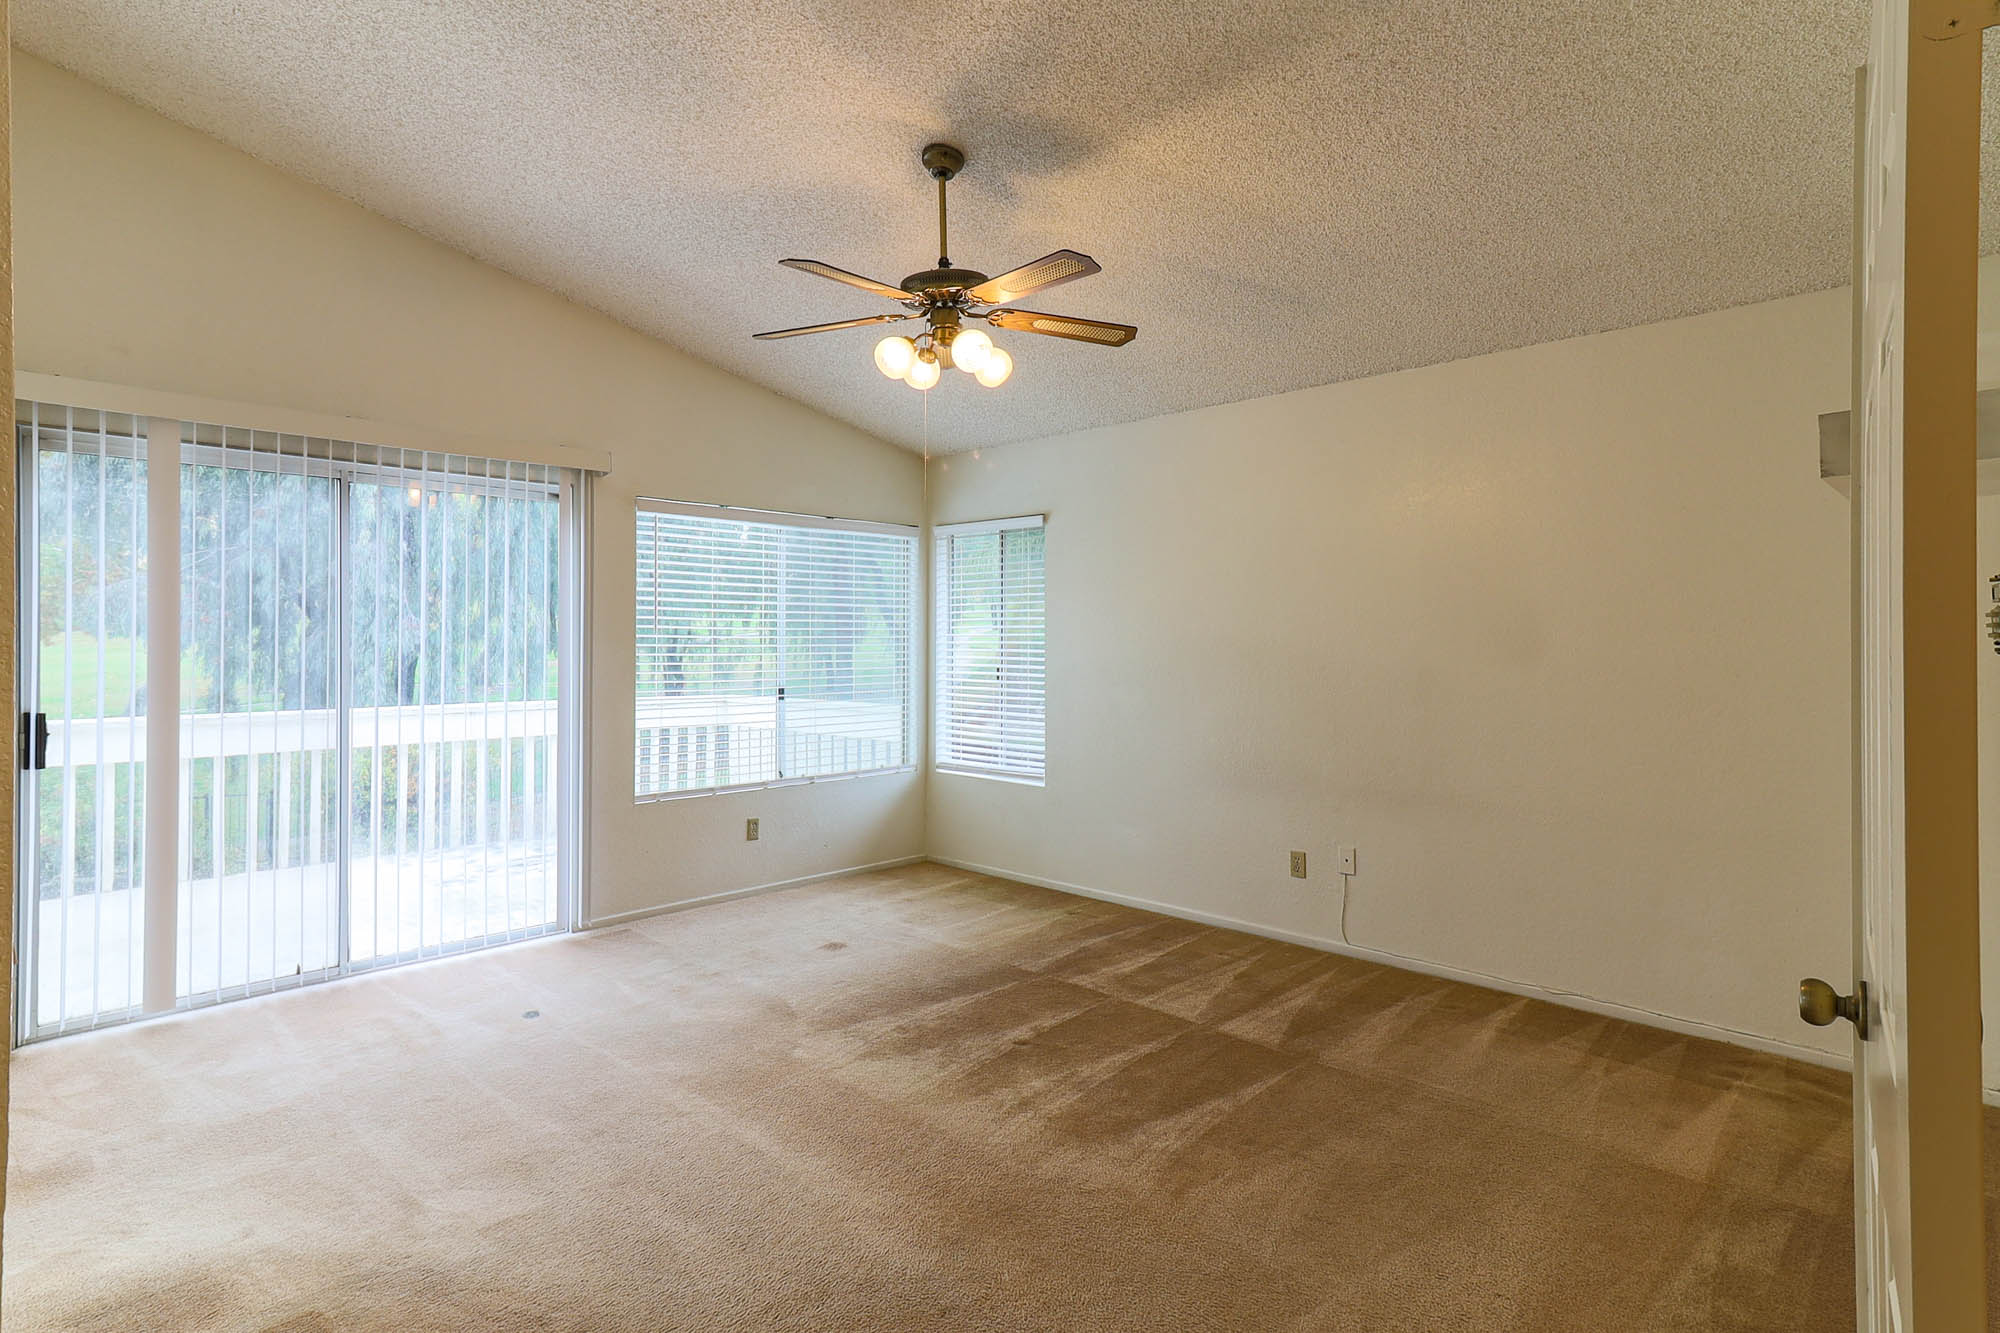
(78,658)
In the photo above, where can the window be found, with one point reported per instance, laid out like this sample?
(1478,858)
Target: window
(771,647)
(990,640)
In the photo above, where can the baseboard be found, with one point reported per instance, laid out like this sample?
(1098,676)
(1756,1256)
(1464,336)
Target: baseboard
(730,895)
(1687,1027)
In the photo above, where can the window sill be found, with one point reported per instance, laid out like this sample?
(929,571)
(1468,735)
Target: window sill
(990,775)
(654,798)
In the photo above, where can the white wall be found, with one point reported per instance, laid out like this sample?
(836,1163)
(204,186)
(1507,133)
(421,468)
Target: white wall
(150,255)
(1556,637)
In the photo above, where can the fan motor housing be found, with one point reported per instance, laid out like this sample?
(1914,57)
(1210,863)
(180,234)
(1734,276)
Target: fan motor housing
(942,282)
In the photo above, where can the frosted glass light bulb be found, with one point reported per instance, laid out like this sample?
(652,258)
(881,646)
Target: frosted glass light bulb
(923,372)
(998,367)
(970,349)
(893,356)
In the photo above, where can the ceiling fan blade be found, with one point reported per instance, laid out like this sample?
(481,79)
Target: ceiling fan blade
(1062,266)
(1064,326)
(851,279)
(837,324)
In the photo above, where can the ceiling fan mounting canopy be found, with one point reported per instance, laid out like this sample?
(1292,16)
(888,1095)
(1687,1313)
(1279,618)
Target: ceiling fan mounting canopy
(945,296)
(943,161)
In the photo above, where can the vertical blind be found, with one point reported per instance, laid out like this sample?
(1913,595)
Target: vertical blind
(769,647)
(454,739)
(990,647)
(369,732)
(368,757)
(83,647)
(258,892)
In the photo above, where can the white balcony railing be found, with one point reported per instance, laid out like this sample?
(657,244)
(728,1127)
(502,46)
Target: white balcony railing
(696,742)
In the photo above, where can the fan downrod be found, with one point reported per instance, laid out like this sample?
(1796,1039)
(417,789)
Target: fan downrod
(943,162)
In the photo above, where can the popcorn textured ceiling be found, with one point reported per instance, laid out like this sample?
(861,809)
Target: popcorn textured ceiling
(1282,194)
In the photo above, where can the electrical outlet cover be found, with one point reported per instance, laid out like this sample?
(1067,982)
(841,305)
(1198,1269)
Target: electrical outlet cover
(1298,865)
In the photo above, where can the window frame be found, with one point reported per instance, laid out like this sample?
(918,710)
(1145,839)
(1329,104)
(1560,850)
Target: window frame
(913,646)
(940,631)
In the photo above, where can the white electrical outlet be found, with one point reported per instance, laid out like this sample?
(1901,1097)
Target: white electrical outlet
(1298,865)
(1346,855)
(749,830)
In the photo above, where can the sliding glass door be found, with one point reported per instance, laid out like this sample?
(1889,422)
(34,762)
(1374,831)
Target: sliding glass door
(454,718)
(259,891)
(372,760)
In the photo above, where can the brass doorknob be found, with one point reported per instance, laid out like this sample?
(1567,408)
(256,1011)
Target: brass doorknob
(1820,1004)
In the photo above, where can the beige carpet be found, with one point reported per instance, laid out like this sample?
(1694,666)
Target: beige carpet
(919,1100)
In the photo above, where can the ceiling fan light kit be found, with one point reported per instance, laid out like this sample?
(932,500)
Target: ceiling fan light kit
(945,297)
(925,370)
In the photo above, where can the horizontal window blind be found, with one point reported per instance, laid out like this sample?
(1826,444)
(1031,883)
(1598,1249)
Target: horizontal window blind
(990,648)
(770,647)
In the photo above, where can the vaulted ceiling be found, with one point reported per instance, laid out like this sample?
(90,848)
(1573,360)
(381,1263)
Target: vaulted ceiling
(1281,193)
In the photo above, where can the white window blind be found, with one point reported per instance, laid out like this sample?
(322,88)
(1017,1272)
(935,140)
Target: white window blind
(771,647)
(307,705)
(83,637)
(990,648)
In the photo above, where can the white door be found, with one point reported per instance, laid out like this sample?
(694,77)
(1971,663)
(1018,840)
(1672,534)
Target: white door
(1920,1244)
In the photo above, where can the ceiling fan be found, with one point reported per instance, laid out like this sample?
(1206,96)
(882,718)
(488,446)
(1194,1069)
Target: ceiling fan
(945,297)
